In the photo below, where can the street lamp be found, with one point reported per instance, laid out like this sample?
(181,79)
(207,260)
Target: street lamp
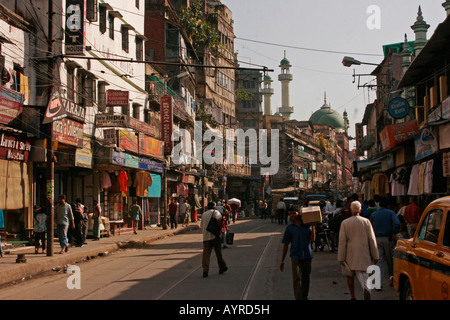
(349,61)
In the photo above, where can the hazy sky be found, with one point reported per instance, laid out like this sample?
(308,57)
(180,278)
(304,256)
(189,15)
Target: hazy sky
(327,25)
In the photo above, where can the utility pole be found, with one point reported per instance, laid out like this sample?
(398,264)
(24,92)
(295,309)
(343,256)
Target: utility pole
(50,152)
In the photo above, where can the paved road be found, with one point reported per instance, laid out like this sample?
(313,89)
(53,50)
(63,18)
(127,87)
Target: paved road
(170,269)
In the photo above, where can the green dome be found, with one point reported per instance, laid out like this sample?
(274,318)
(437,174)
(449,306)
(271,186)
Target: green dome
(267,78)
(285,62)
(327,116)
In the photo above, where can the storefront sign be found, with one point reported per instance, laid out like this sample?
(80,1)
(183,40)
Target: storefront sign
(11,105)
(60,108)
(14,148)
(398,108)
(150,165)
(167,123)
(425,144)
(110,137)
(392,135)
(68,132)
(446,164)
(141,126)
(111,120)
(83,158)
(127,141)
(117,98)
(442,112)
(75,18)
(150,146)
(125,159)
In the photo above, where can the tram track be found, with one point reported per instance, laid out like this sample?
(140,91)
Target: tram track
(240,235)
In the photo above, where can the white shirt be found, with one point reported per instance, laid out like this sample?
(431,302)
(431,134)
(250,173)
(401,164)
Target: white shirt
(205,221)
(330,208)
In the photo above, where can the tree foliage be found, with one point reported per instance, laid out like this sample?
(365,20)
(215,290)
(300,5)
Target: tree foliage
(194,21)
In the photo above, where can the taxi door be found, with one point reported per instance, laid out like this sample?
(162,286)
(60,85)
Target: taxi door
(424,248)
(440,275)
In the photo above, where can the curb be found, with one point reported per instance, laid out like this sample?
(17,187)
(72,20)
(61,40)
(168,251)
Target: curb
(24,271)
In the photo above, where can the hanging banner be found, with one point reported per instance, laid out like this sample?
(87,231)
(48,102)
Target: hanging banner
(150,147)
(127,141)
(117,98)
(74,30)
(425,143)
(167,123)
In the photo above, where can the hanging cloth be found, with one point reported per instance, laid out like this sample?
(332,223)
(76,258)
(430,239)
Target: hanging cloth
(123,179)
(413,189)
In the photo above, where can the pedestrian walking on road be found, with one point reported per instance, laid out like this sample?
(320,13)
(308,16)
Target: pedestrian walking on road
(357,249)
(385,225)
(173,212)
(39,228)
(211,241)
(85,224)
(77,233)
(96,218)
(135,212)
(184,212)
(300,237)
(281,211)
(64,218)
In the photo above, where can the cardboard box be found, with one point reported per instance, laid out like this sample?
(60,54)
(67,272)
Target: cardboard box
(311,215)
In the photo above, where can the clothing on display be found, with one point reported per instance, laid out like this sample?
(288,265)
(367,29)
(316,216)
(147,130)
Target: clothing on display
(413,189)
(397,187)
(106,180)
(123,181)
(380,184)
(428,179)
(142,181)
(422,168)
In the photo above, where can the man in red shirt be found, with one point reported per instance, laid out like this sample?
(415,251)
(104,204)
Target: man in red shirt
(412,216)
(173,210)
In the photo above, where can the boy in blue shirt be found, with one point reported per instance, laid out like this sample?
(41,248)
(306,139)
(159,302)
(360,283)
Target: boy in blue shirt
(300,237)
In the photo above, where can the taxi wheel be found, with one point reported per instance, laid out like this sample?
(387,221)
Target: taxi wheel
(406,292)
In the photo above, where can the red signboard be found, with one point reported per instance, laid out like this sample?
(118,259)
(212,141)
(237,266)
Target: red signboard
(167,123)
(128,141)
(392,135)
(117,98)
(14,148)
(68,132)
(150,146)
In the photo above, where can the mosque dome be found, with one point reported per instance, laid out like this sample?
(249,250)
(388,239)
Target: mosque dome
(327,116)
(285,62)
(267,78)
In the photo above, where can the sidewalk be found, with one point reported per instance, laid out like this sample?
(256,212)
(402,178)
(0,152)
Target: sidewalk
(11,271)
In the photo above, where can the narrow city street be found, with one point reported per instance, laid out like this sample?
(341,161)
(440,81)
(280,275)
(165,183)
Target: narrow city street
(170,269)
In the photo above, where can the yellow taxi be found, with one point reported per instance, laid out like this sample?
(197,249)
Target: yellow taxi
(422,263)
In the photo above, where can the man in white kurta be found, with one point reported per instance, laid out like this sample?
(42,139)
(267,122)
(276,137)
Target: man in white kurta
(357,248)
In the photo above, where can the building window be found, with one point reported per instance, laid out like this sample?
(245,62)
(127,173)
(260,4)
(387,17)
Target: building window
(91,10)
(102,22)
(125,38)
(70,84)
(139,48)
(101,96)
(137,111)
(137,3)
(111,26)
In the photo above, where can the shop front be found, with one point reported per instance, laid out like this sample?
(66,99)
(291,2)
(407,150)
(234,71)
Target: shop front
(15,184)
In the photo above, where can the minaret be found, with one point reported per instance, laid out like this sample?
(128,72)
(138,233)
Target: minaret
(420,28)
(267,92)
(446,5)
(406,55)
(285,77)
